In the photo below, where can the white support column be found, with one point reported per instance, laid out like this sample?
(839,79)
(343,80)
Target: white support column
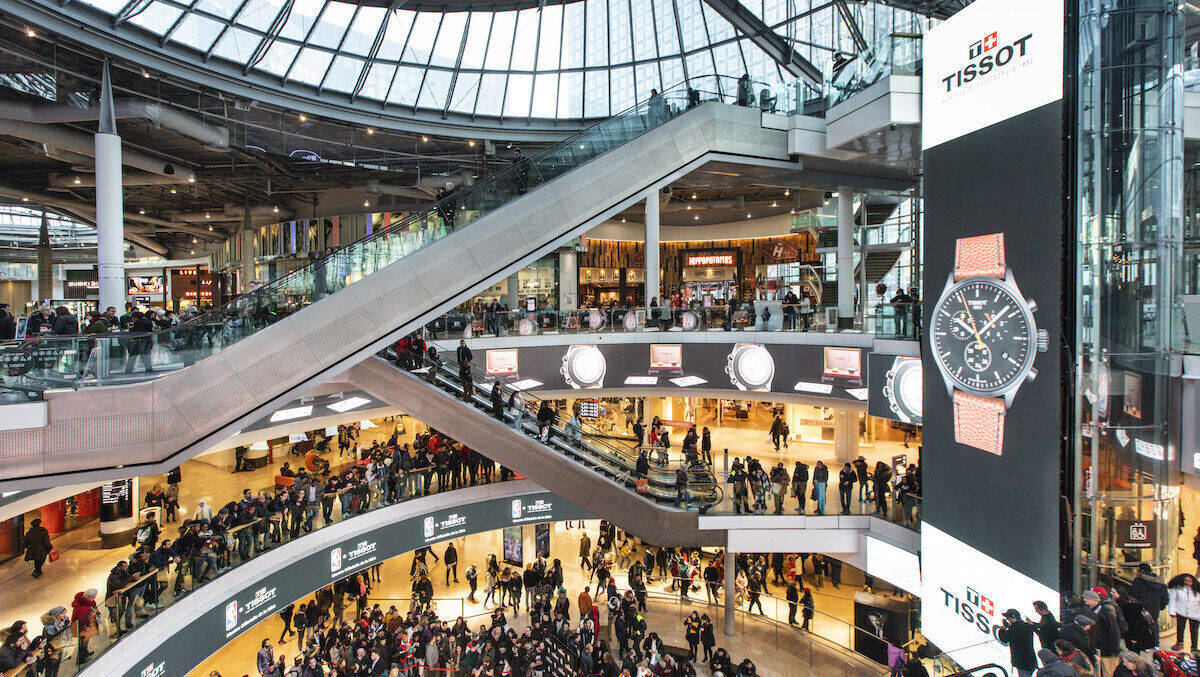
(110,216)
(845,257)
(568,280)
(514,292)
(845,435)
(110,222)
(652,273)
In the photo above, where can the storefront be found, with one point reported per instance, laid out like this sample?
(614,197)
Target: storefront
(709,278)
(537,283)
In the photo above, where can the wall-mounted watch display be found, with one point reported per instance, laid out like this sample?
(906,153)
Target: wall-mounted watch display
(902,389)
(843,366)
(750,367)
(502,363)
(666,359)
(583,366)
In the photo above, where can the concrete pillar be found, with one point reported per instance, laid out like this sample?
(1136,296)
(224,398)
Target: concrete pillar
(845,257)
(118,512)
(845,436)
(568,280)
(247,235)
(730,593)
(45,263)
(514,292)
(652,274)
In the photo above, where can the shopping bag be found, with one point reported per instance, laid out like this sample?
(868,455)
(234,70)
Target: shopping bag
(54,555)
(643,485)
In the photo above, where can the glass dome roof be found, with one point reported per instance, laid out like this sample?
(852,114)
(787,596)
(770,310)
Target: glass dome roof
(583,59)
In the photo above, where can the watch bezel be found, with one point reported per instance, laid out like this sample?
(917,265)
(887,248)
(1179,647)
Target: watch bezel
(895,402)
(1009,286)
(738,381)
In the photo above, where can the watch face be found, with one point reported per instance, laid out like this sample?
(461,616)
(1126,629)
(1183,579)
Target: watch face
(584,367)
(751,367)
(904,387)
(983,336)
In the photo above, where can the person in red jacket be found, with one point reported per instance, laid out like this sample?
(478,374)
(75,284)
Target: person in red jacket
(85,616)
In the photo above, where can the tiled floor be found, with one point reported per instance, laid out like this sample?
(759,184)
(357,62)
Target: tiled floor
(775,649)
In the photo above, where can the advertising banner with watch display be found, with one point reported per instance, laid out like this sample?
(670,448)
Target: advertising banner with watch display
(896,387)
(995,240)
(752,367)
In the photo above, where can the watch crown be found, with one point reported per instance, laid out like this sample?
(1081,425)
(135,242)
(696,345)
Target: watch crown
(1031,305)
(1043,340)
(1031,374)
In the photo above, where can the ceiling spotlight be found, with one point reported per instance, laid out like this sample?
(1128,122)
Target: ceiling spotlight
(696,217)
(142,212)
(24,199)
(194,240)
(774,204)
(581,146)
(693,196)
(210,227)
(145,73)
(424,139)
(30,33)
(689,208)
(77,181)
(172,191)
(622,220)
(787,192)
(510,146)
(747,216)
(192,251)
(471,143)
(366,203)
(207,215)
(275,209)
(303,118)
(370,130)
(192,179)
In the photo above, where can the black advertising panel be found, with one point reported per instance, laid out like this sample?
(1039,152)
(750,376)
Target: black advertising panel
(116,500)
(995,244)
(181,652)
(836,372)
(896,387)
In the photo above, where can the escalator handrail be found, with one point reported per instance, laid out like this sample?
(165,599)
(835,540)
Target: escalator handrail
(985,666)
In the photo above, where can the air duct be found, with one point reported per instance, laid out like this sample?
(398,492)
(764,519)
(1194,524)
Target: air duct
(82,143)
(156,113)
(376,187)
(233,212)
(86,180)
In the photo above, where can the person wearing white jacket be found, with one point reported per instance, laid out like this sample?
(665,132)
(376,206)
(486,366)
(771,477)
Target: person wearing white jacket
(1183,602)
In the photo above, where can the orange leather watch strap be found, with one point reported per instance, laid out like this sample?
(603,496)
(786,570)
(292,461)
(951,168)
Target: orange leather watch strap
(979,421)
(979,256)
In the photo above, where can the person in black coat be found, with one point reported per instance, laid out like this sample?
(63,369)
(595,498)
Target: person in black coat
(497,402)
(8,323)
(1018,635)
(1149,590)
(37,546)
(1047,625)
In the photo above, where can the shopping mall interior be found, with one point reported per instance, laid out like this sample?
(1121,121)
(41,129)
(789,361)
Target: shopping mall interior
(316,361)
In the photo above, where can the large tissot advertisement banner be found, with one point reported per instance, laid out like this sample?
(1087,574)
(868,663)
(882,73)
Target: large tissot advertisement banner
(820,371)
(994,241)
(239,612)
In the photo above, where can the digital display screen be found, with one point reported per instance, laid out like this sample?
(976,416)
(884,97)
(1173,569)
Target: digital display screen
(843,365)
(896,388)
(666,358)
(502,363)
(144,284)
(513,547)
(1133,395)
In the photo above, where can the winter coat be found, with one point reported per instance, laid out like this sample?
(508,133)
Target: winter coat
(37,544)
(1182,600)
(1151,592)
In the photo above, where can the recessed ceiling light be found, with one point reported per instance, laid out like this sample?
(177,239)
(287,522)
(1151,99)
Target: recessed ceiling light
(145,73)
(774,204)
(696,217)
(192,251)
(77,181)
(693,196)
(210,227)
(303,118)
(207,215)
(747,216)
(366,203)
(142,212)
(30,33)
(370,130)
(194,240)
(192,179)
(275,209)
(424,139)
(24,199)
(787,192)
(471,143)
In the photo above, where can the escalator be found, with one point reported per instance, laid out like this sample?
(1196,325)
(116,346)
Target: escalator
(107,419)
(595,471)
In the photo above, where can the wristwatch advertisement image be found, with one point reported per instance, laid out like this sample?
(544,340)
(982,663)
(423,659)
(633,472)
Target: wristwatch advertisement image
(984,340)
(902,389)
(583,367)
(750,367)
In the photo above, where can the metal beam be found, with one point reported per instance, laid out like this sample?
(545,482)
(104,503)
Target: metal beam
(745,22)
(860,43)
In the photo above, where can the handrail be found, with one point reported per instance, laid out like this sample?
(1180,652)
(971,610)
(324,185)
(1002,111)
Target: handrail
(985,666)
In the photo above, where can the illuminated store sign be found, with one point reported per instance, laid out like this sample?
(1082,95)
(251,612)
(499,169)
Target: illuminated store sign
(701,260)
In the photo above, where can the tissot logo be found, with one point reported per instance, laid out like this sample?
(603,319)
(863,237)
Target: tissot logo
(987,44)
(974,608)
(985,57)
(154,670)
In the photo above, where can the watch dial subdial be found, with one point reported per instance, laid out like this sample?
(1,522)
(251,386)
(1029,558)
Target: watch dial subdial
(977,356)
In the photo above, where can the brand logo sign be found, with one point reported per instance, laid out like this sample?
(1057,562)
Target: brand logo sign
(964,596)
(453,524)
(239,616)
(154,670)
(538,510)
(992,61)
(778,251)
(725,259)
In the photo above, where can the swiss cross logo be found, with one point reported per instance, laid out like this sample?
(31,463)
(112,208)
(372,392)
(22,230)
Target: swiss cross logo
(985,605)
(987,44)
